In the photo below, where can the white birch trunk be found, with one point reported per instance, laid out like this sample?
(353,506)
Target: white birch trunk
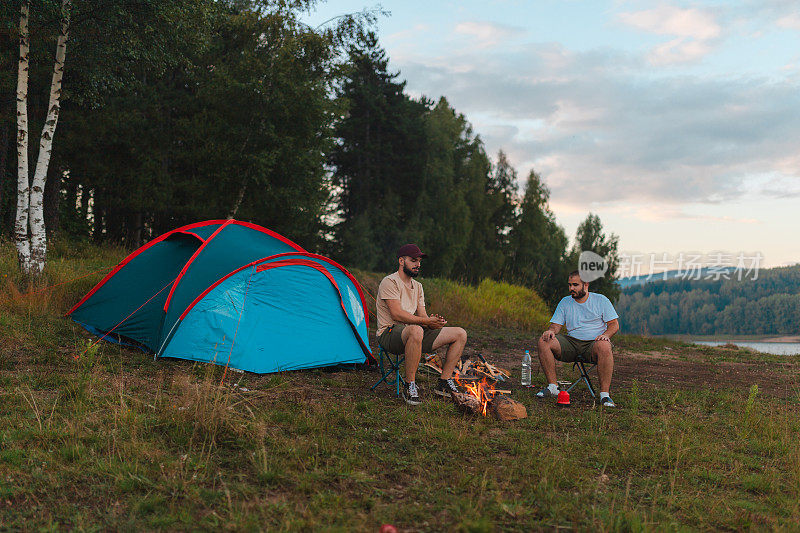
(239,199)
(38,247)
(23,184)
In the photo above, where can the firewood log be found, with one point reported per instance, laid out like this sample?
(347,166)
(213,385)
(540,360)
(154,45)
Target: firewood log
(466,403)
(504,408)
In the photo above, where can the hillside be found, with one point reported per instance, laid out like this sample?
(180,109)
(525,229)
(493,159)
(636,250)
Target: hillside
(767,305)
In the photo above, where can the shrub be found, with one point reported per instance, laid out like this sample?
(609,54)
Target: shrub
(491,304)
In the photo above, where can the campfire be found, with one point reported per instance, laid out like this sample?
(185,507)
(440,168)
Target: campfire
(481,398)
(482,392)
(478,379)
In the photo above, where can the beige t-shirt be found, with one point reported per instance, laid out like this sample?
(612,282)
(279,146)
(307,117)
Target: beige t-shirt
(393,288)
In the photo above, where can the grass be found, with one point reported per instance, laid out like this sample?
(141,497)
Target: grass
(161,447)
(115,440)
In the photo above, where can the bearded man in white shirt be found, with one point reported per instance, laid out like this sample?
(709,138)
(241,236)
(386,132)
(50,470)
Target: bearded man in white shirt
(591,321)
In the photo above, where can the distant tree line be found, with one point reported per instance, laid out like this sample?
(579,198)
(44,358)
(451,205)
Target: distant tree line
(174,111)
(767,305)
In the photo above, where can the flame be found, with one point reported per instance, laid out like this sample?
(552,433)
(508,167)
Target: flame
(483,390)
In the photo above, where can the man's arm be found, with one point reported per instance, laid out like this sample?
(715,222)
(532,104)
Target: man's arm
(400,315)
(552,331)
(612,326)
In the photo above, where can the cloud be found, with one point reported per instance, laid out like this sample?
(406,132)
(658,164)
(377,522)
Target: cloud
(600,129)
(670,20)
(692,30)
(791,22)
(660,213)
(770,13)
(679,51)
(488,34)
(407,33)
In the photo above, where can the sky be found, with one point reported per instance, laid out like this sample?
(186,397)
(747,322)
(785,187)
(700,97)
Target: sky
(678,123)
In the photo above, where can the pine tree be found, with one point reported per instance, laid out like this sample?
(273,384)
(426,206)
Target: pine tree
(445,220)
(503,184)
(377,159)
(538,244)
(590,237)
(483,256)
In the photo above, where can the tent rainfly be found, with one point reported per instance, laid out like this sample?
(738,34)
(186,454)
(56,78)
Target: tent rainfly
(231,293)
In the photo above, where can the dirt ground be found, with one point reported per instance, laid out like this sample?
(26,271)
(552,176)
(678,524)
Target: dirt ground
(776,379)
(673,367)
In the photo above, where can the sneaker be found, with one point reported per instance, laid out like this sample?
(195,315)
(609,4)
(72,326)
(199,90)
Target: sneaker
(546,393)
(445,387)
(607,402)
(411,394)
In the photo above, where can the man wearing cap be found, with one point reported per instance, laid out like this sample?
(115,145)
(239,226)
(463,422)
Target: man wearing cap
(405,327)
(591,321)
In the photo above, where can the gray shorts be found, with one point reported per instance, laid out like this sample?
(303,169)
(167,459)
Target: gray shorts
(391,339)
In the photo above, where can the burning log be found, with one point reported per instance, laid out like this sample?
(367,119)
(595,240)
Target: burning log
(482,398)
(467,403)
(501,407)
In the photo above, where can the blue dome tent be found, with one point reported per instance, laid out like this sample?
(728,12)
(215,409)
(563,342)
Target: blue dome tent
(231,293)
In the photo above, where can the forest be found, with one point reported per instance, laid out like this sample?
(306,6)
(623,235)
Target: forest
(766,305)
(174,111)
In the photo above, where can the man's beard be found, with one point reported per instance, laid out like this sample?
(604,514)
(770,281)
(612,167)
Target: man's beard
(579,295)
(410,272)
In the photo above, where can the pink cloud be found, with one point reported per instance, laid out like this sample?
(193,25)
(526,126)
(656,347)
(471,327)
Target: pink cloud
(487,34)
(693,31)
(790,22)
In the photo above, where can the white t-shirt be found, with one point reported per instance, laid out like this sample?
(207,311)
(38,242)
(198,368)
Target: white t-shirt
(587,320)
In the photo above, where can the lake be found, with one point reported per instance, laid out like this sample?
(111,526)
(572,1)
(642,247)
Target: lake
(777,348)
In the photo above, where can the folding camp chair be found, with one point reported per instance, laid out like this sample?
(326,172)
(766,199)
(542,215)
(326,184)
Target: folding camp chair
(389,365)
(581,365)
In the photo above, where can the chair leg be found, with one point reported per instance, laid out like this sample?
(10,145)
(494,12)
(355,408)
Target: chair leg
(384,374)
(584,377)
(390,364)
(383,378)
(397,377)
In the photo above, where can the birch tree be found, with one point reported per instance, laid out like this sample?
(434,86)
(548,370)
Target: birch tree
(23,182)
(29,229)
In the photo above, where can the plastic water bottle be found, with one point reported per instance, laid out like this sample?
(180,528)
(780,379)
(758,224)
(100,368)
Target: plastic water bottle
(526,369)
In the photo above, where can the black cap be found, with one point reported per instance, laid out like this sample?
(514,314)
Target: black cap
(411,250)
